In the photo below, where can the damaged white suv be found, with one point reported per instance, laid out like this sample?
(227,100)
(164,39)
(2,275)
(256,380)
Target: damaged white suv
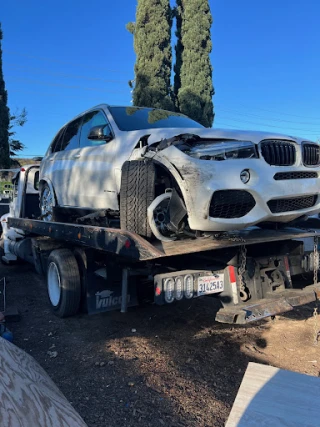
(160,173)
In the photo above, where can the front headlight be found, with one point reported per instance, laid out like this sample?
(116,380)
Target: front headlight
(225,150)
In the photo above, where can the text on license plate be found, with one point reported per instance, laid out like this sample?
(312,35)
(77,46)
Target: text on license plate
(210,284)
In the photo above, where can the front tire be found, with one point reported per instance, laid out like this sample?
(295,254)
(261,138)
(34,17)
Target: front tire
(136,194)
(63,283)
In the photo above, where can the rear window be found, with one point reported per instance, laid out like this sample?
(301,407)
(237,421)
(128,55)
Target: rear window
(55,145)
(136,118)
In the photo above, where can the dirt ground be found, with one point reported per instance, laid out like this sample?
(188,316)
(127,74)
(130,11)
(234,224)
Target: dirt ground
(154,366)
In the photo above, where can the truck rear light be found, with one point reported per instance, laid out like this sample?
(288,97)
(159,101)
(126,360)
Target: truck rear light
(169,290)
(233,283)
(188,286)
(178,287)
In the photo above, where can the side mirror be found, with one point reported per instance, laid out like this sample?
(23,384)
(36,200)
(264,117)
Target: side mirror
(100,133)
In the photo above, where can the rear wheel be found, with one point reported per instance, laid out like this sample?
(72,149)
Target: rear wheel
(47,204)
(63,283)
(136,194)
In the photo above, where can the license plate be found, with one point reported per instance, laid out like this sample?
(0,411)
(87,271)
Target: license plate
(210,284)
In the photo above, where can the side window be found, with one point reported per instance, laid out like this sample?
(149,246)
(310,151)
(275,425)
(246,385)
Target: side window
(36,180)
(70,139)
(94,118)
(55,146)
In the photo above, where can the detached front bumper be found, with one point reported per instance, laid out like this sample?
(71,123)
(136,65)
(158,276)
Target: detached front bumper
(217,199)
(279,303)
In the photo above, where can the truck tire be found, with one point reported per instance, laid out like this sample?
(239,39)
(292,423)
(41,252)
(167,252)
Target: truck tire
(136,194)
(63,283)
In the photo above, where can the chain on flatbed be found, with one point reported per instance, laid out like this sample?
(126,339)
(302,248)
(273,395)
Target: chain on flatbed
(316,334)
(242,267)
(231,237)
(242,258)
(315,281)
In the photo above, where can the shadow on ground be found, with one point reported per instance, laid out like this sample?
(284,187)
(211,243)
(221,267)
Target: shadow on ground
(155,366)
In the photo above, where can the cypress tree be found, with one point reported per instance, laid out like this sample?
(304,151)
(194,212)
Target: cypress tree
(193,86)
(4,118)
(152,45)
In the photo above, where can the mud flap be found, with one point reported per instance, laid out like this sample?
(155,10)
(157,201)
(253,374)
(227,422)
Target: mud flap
(104,290)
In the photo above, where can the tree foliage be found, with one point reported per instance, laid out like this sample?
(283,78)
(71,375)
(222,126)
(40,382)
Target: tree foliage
(193,86)
(17,119)
(4,118)
(152,44)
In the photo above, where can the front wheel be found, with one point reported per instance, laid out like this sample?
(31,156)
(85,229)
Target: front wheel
(47,204)
(136,194)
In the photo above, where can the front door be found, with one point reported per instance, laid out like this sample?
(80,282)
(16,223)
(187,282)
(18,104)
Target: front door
(93,167)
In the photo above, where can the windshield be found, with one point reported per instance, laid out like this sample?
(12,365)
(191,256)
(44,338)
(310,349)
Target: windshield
(136,118)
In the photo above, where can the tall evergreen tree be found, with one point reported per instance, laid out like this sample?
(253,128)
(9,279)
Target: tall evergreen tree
(193,86)
(15,120)
(152,44)
(4,119)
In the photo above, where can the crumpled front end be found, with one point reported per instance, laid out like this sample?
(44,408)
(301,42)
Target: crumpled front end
(245,184)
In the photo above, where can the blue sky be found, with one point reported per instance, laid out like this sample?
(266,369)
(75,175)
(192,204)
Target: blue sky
(62,57)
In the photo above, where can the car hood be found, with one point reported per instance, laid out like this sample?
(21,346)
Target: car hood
(157,135)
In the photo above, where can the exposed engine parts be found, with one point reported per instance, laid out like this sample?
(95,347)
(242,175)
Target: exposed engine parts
(167,217)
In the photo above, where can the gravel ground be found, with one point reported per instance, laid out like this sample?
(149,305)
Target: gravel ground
(154,366)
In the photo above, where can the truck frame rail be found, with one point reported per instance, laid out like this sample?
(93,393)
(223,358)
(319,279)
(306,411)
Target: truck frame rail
(134,247)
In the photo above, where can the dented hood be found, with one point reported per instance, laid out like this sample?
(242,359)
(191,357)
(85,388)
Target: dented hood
(157,135)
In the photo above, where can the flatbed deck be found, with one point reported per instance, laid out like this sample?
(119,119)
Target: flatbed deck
(135,248)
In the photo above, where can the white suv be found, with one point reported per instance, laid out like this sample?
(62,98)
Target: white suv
(164,174)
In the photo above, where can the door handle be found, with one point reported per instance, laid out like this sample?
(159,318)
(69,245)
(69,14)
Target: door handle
(77,156)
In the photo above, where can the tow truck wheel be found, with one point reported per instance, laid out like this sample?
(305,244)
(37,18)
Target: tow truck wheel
(63,283)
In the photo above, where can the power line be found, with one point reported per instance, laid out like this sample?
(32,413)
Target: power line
(222,109)
(122,72)
(264,124)
(232,127)
(68,86)
(265,129)
(56,61)
(20,155)
(278,112)
(17,67)
(267,118)
(59,95)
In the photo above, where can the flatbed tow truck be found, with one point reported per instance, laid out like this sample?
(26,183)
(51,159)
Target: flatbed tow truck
(96,269)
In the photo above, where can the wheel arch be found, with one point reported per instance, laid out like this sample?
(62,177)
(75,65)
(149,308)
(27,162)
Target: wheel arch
(174,175)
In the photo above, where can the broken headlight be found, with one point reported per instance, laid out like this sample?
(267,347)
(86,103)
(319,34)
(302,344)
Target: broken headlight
(224,150)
